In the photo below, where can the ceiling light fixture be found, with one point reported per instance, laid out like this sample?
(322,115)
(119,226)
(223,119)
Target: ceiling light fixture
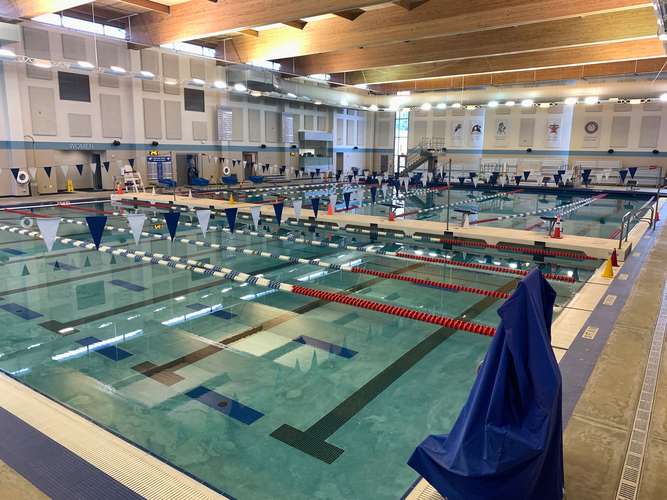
(239,87)
(509,104)
(219,84)
(571,101)
(426,106)
(7,54)
(492,104)
(373,107)
(441,105)
(591,99)
(527,103)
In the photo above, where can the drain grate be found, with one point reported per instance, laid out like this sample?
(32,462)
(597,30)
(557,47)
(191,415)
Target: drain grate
(634,457)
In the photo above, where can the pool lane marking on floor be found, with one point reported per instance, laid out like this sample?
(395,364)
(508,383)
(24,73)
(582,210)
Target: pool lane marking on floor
(224,404)
(21,311)
(112,352)
(313,442)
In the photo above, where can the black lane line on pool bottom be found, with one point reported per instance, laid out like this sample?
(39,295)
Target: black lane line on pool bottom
(313,440)
(52,468)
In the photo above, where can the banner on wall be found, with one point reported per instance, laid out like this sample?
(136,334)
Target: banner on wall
(502,130)
(225,123)
(592,133)
(553,130)
(457,132)
(476,132)
(288,127)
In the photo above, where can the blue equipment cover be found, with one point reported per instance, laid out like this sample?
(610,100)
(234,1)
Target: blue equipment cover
(507,440)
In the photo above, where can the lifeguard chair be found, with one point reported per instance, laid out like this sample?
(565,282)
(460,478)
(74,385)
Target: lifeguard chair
(132,179)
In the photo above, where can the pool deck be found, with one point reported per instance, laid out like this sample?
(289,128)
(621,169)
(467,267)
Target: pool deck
(595,247)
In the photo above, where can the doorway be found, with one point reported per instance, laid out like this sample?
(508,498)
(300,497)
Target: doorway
(384,163)
(183,163)
(250,159)
(96,159)
(340,163)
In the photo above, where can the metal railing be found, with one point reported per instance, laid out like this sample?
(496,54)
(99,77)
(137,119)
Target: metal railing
(637,215)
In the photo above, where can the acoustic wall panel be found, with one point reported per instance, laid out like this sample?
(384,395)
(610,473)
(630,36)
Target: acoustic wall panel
(150,61)
(622,107)
(322,123)
(36,43)
(79,125)
(238,124)
(110,112)
(42,111)
(296,123)
(526,132)
(649,130)
(272,126)
(172,120)
(503,110)
(254,126)
(361,133)
(351,133)
(340,131)
(418,130)
(439,112)
(152,119)
(439,128)
(382,134)
(171,69)
(74,47)
(198,68)
(652,106)
(620,130)
(108,54)
(199,131)
(308,122)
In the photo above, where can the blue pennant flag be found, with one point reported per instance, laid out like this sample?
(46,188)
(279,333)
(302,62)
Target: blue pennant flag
(346,197)
(462,180)
(48,171)
(517,179)
(131,161)
(585,175)
(15,172)
(526,174)
(557,178)
(171,218)
(278,210)
(374,192)
(349,178)
(106,166)
(633,171)
(96,225)
(79,167)
(623,173)
(315,204)
(231,218)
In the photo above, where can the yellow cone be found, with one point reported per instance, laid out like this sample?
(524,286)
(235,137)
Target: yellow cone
(608,271)
(231,198)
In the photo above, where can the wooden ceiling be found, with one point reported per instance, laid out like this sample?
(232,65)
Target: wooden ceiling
(399,43)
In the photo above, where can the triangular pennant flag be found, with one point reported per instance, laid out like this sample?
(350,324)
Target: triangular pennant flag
(106,166)
(254,212)
(385,188)
(231,217)
(296,204)
(96,225)
(49,229)
(474,181)
(171,218)
(79,167)
(136,222)
(113,259)
(278,210)
(332,201)
(203,216)
(25,271)
(374,192)
(65,170)
(346,198)
(93,167)
(633,171)
(87,262)
(623,173)
(56,266)
(15,172)
(315,204)
(131,161)
(32,171)
(48,171)
(526,174)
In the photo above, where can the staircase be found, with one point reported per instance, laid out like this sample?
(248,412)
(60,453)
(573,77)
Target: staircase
(426,151)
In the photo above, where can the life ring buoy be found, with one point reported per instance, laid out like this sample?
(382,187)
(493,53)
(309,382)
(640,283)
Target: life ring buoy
(22,177)
(226,170)
(26,222)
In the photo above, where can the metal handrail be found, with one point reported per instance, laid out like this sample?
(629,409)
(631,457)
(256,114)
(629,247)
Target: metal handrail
(637,214)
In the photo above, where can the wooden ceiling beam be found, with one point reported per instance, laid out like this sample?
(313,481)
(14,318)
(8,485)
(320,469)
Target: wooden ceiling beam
(590,54)
(623,25)
(33,8)
(297,23)
(202,18)
(437,18)
(350,15)
(249,32)
(409,4)
(149,4)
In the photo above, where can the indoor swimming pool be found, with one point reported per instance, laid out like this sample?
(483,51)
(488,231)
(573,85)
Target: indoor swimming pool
(257,392)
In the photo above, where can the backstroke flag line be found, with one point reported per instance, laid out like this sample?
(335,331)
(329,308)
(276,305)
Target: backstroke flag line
(49,229)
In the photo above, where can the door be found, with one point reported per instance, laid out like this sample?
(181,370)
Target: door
(181,169)
(340,162)
(250,159)
(192,162)
(384,163)
(97,173)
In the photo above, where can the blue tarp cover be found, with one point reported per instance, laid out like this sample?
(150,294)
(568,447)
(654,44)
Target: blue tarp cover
(507,441)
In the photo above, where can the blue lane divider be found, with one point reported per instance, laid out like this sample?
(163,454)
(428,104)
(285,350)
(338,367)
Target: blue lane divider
(341,351)
(112,352)
(223,404)
(20,311)
(128,286)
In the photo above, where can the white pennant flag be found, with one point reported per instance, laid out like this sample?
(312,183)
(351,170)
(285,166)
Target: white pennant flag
(406,182)
(474,181)
(297,208)
(32,171)
(136,222)
(254,211)
(204,216)
(93,167)
(65,170)
(429,176)
(332,201)
(49,229)
(385,187)
(503,179)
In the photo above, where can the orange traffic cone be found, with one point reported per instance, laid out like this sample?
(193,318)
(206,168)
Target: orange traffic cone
(557,228)
(657,216)
(330,209)
(614,258)
(392,217)
(119,189)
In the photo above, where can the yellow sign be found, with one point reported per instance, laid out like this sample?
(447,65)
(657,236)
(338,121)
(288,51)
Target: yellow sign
(157,226)
(70,186)
(154,152)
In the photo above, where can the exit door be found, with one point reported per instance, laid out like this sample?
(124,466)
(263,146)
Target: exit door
(340,162)
(250,159)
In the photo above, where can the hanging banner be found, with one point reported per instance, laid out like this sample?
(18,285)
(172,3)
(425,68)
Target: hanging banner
(502,130)
(476,132)
(254,211)
(47,170)
(96,225)
(231,218)
(171,218)
(296,204)
(136,223)
(225,124)
(457,132)
(633,171)
(315,205)
(49,229)
(278,210)
(592,134)
(79,167)
(553,130)
(203,216)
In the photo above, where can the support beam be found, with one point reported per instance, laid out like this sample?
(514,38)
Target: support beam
(437,18)
(33,8)
(249,32)
(614,26)
(350,15)
(590,54)
(201,18)
(298,24)
(149,4)
(410,4)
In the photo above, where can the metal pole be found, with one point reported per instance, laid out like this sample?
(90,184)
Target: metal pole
(449,189)
(657,198)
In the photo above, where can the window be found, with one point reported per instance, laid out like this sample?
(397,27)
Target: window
(194,99)
(81,25)
(74,87)
(190,48)
(401,138)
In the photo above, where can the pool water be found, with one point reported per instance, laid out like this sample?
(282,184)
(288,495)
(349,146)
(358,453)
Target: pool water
(208,373)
